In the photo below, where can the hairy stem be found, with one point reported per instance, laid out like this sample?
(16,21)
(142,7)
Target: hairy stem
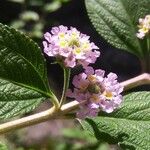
(66,84)
(55,101)
(54,113)
(136,81)
(51,113)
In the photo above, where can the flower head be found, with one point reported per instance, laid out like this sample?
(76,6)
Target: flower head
(99,92)
(144,27)
(70,46)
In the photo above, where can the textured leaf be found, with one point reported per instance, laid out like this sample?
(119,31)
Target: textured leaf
(129,126)
(23,81)
(116,21)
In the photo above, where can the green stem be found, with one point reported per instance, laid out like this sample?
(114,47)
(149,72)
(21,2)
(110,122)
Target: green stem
(145,61)
(143,65)
(66,85)
(148,55)
(55,101)
(148,45)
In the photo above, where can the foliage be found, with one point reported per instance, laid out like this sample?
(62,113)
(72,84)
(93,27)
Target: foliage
(24,83)
(23,79)
(117,20)
(82,136)
(3,147)
(33,22)
(129,126)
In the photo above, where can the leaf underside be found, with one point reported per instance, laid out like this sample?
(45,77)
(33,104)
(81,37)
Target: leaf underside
(23,81)
(116,21)
(129,126)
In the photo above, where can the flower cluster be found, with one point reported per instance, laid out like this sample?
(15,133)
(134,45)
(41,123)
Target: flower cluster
(70,47)
(144,27)
(98,92)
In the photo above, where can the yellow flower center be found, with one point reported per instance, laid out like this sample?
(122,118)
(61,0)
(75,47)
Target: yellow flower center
(74,42)
(144,30)
(74,35)
(77,51)
(61,35)
(91,78)
(85,46)
(63,44)
(83,87)
(95,99)
(108,95)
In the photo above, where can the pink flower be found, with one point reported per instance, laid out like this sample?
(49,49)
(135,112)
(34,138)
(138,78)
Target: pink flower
(70,46)
(99,92)
(144,27)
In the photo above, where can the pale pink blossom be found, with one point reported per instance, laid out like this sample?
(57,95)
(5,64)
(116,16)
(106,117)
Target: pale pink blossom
(100,93)
(144,27)
(70,46)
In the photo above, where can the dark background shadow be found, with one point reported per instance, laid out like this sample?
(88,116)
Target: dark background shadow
(74,14)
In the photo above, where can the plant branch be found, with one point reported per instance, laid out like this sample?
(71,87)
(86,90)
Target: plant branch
(136,81)
(51,113)
(54,113)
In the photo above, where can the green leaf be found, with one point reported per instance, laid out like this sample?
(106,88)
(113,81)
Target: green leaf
(117,20)
(78,134)
(18,24)
(53,6)
(29,16)
(90,142)
(3,146)
(23,79)
(129,126)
